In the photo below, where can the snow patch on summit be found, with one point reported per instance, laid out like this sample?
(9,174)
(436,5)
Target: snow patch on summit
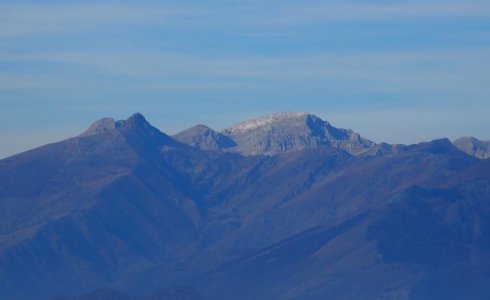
(264,121)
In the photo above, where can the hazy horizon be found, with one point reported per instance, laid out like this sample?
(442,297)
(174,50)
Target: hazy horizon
(393,71)
(53,136)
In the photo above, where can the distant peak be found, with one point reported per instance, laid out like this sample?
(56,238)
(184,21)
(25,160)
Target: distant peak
(200,127)
(195,130)
(205,138)
(100,126)
(473,146)
(466,139)
(437,146)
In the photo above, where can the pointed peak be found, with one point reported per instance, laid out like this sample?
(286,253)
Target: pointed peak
(136,121)
(195,130)
(137,116)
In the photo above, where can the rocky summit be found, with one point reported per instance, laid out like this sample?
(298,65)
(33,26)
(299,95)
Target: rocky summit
(278,133)
(474,147)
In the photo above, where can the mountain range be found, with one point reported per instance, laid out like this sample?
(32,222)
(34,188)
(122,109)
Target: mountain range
(285,206)
(274,134)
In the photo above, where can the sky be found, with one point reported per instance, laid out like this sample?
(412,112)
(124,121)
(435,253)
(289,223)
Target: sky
(394,71)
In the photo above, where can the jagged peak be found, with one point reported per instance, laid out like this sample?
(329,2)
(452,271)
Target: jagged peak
(136,121)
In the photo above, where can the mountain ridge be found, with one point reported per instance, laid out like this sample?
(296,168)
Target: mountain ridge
(279,133)
(130,208)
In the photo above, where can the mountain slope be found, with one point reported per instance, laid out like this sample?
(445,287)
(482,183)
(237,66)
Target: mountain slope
(124,206)
(423,244)
(171,293)
(332,236)
(92,210)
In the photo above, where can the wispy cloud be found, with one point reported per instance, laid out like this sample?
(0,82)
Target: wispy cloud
(378,11)
(35,19)
(462,70)
(38,19)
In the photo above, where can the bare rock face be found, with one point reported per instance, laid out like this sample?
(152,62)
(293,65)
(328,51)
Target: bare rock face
(276,133)
(473,147)
(100,126)
(292,131)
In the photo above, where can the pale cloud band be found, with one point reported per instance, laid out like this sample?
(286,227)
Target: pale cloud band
(38,19)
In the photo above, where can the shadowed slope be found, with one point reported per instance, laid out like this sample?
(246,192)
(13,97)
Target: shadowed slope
(171,293)
(93,210)
(125,206)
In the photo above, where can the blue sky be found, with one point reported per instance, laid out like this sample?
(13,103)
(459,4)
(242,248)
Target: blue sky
(395,71)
